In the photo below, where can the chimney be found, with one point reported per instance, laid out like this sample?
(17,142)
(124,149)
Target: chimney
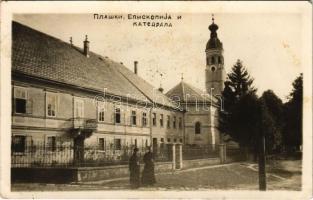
(86,47)
(135,67)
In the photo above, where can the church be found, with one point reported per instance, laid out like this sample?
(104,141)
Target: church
(62,93)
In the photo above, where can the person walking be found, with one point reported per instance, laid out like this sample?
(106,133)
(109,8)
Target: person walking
(148,177)
(134,169)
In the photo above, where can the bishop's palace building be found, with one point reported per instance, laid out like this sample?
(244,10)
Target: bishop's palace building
(62,93)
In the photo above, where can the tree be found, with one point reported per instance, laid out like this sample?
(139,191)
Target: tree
(244,121)
(239,117)
(292,135)
(273,111)
(240,80)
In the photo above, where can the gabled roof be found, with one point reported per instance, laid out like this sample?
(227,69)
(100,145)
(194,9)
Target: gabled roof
(37,54)
(186,93)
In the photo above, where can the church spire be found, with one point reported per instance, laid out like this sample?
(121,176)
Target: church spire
(214,42)
(215,72)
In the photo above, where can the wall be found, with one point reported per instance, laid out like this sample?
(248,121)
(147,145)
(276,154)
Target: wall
(67,175)
(37,126)
(164,132)
(207,116)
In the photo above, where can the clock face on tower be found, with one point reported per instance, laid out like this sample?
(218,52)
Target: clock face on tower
(213,68)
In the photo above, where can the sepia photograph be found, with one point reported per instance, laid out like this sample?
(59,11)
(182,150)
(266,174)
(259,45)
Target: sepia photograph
(190,98)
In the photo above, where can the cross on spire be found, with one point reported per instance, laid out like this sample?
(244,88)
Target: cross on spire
(213,18)
(182,76)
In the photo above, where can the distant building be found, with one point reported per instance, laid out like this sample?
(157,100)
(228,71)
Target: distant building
(62,93)
(201,114)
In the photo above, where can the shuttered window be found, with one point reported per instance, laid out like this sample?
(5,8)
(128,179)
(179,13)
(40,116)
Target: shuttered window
(78,108)
(22,104)
(144,119)
(161,120)
(51,104)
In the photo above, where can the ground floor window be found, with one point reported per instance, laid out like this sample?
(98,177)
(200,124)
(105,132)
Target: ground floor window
(117,144)
(135,142)
(117,115)
(101,144)
(51,143)
(19,143)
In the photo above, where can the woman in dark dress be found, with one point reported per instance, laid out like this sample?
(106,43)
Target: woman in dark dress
(134,169)
(148,177)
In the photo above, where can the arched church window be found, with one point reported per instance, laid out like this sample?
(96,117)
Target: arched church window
(197,128)
(212,60)
(219,60)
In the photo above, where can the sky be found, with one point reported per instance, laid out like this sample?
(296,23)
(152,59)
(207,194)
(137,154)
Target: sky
(269,45)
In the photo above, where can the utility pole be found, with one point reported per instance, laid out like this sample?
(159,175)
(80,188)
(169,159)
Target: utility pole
(262,172)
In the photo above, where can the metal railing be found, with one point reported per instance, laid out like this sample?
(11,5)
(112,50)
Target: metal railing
(40,154)
(191,152)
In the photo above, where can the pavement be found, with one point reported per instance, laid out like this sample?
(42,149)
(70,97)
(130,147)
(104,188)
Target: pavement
(238,176)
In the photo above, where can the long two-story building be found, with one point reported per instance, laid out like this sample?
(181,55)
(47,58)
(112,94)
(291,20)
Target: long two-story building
(62,93)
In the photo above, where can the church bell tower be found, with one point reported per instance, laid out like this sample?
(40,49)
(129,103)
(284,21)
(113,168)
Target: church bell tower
(215,71)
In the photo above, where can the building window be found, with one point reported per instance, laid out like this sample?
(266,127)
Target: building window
(168,139)
(20,105)
(174,122)
(20,100)
(220,60)
(101,144)
(212,60)
(51,103)
(133,118)
(117,115)
(78,108)
(161,120)
(162,139)
(144,119)
(168,125)
(51,143)
(19,143)
(101,114)
(117,144)
(197,128)
(175,140)
(154,119)
(181,140)
(135,142)
(180,123)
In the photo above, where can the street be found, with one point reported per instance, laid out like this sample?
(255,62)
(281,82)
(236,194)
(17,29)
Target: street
(237,176)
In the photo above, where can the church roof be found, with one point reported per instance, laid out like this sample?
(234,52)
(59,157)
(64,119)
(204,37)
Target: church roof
(186,93)
(37,54)
(214,43)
